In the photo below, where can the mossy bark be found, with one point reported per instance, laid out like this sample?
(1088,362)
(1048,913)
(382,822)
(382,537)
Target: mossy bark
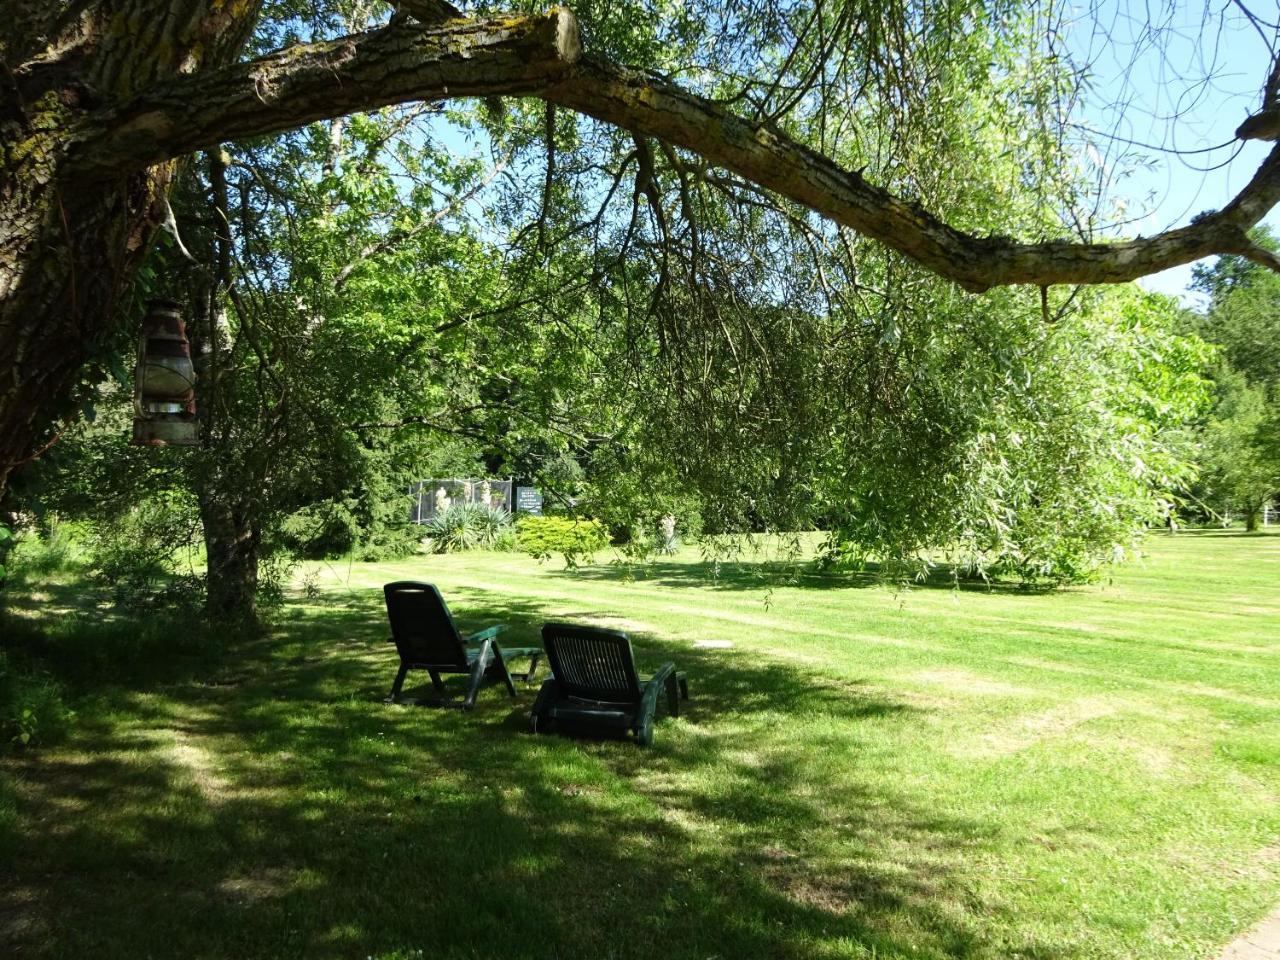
(70,246)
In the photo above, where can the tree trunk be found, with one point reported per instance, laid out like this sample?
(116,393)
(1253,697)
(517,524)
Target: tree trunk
(70,247)
(231,540)
(67,253)
(1252,516)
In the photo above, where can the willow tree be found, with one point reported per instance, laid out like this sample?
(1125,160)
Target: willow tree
(101,99)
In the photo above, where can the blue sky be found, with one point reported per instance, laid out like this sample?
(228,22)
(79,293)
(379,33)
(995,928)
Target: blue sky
(1185,88)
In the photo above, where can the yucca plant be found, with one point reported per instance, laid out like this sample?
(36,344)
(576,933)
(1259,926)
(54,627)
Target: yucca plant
(464,526)
(451,530)
(491,523)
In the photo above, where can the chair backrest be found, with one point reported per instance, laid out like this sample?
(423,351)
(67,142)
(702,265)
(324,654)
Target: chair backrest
(421,626)
(591,663)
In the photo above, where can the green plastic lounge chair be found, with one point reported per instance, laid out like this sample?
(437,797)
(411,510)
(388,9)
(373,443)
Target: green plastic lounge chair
(595,684)
(427,639)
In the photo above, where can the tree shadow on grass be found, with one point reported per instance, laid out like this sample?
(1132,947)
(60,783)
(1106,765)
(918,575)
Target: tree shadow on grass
(71,629)
(1236,534)
(279,809)
(763,575)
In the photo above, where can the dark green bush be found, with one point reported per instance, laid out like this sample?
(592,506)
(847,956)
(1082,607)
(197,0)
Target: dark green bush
(390,543)
(320,530)
(137,552)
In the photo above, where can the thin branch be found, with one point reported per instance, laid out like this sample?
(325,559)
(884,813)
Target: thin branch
(395,237)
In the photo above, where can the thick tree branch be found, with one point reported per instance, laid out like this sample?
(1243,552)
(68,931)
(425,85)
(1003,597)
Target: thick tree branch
(305,83)
(760,154)
(1265,124)
(539,56)
(1261,255)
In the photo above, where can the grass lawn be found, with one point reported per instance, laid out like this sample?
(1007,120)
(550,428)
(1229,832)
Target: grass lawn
(863,773)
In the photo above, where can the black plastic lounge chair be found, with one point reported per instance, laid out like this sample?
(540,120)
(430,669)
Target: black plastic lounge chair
(595,683)
(426,638)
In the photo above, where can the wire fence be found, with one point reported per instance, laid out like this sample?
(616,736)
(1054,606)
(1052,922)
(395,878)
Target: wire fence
(431,496)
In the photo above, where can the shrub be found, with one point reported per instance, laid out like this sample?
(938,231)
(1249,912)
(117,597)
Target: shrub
(464,526)
(508,541)
(390,543)
(54,547)
(542,536)
(492,523)
(319,530)
(32,711)
(6,544)
(136,554)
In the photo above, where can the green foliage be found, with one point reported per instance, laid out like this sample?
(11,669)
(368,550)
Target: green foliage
(390,543)
(466,526)
(1243,321)
(453,530)
(32,709)
(50,546)
(1227,274)
(326,529)
(1069,482)
(48,554)
(1240,441)
(632,503)
(144,555)
(777,374)
(6,544)
(574,538)
(1240,447)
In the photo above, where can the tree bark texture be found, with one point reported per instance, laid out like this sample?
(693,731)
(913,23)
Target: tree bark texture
(231,540)
(69,246)
(99,99)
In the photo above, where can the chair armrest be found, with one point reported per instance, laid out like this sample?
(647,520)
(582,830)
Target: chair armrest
(488,633)
(655,685)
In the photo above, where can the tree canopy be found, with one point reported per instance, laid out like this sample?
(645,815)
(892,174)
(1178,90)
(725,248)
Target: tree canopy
(808,103)
(707,255)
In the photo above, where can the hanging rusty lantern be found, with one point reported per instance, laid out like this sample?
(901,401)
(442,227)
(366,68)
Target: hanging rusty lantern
(164,382)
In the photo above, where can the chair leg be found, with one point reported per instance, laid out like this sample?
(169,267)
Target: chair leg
(546,696)
(394,696)
(436,683)
(499,666)
(484,659)
(684,685)
(533,667)
(644,725)
(673,698)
